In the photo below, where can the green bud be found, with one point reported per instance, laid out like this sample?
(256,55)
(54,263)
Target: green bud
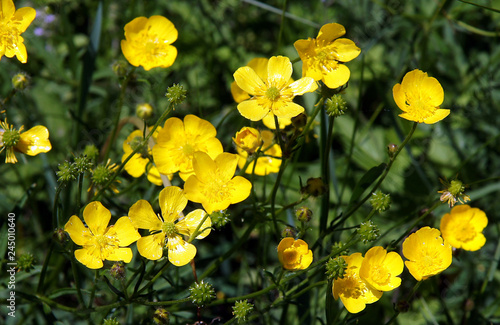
(60,235)
(20,81)
(144,111)
(368,231)
(111,321)
(219,218)
(25,262)
(117,271)
(380,201)
(336,268)
(67,172)
(303,214)
(176,94)
(288,232)
(120,68)
(392,149)
(201,293)
(91,151)
(241,310)
(336,105)
(82,164)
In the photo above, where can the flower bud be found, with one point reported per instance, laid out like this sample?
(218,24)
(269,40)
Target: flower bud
(161,316)
(60,235)
(176,94)
(248,139)
(117,271)
(241,310)
(314,187)
(25,262)
(201,293)
(303,214)
(336,268)
(338,246)
(83,164)
(20,81)
(120,68)
(392,149)
(67,172)
(288,232)
(91,151)
(144,111)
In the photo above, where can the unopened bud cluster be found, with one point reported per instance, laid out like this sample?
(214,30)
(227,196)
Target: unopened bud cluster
(201,293)
(336,268)
(380,201)
(368,231)
(219,218)
(176,94)
(241,310)
(336,105)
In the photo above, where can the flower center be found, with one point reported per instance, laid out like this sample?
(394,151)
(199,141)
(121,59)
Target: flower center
(290,256)
(104,245)
(353,287)
(466,232)
(273,93)
(188,149)
(169,229)
(10,137)
(381,275)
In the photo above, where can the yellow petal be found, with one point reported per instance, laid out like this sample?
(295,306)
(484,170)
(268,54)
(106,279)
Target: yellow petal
(142,216)
(154,176)
(34,141)
(279,71)
(204,167)
(329,32)
(169,54)
(438,115)
(251,110)
(8,9)
(136,165)
(191,222)
(248,80)
(337,77)
(288,110)
(346,50)
(162,28)
(151,247)
(125,232)
(238,94)
(24,17)
(269,122)
(304,47)
(303,85)
(259,65)
(96,217)
(241,189)
(172,202)
(120,254)
(226,165)
(85,256)
(79,234)
(135,26)
(180,252)
(475,244)
(193,190)
(306,260)
(431,89)
(399,97)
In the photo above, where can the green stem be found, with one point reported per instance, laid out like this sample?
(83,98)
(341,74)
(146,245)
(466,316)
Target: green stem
(43,273)
(92,293)
(76,278)
(55,215)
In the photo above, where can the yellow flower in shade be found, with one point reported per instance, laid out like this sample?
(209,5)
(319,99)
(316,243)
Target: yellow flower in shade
(380,269)
(167,229)
(259,65)
(100,242)
(248,139)
(213,184)
(419,97)
(266,164)
(178,141)
(148,42)
(31,142)
(294,254)
(272,94)
(463,227)
(322,57)
(352,290)
(140,162)
(12,24)
(427,253)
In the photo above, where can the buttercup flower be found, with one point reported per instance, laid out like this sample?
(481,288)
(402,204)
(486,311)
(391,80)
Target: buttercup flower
(463,227)
(31,142)
(99,241)
(177,142)
(427,253)
(248,139)
(148,42)
(140,163)
(259,65)
(12,24)
(272,94)
(213,184)
(351,289)
(380,269)
(419,97)
(322,57)
(167,229)
(266,164)
(294,254)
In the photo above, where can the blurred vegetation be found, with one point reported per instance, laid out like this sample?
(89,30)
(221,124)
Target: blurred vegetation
(74,93)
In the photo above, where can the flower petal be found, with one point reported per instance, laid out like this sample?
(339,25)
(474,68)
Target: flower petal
(331,31)
(136,165)
(125,231)
(399,97)
(161,28)
(143,217)
(248,80)
(335,78)
(79,234)
(251,110)
(180,252)
(85,256)
(204,167)
(120,254)
(172,202)
(279,71)
(241,189)
(96,217)
(288,110)
(438,115)
(303,85)
(151,247)
(346,50)
(24,17)
(188,225)
(34,141)
(226,165)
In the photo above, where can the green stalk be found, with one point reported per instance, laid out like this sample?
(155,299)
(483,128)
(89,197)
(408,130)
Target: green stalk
(43,273)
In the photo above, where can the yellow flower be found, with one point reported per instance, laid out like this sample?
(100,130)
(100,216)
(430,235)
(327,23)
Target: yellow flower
(148,42)
(177,142)
(322,57)
(294,254)
(463,227)
(167,229)
(419,97)
(259,65)
(266,164)
(140,162)
(272,94)
(99,241)
(351,289)
(12,24)
(31,142)
(213,184)
(427,253)
(380,269)
(248,139)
